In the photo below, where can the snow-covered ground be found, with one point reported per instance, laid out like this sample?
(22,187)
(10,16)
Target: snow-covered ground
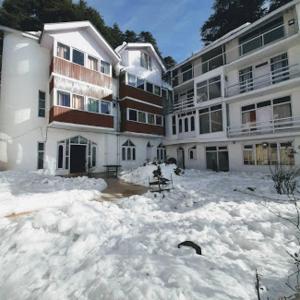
(128,249)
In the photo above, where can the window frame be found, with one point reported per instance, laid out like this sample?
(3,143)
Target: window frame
(40,155)
(42,108)
(81,52)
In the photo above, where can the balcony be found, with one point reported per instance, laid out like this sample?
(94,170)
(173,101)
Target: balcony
(184,99)
(268,79)
(81,73)
(269,127)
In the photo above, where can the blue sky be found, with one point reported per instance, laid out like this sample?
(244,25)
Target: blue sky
(174,23)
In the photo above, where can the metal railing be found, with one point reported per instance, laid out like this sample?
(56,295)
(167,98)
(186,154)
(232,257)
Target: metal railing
(267,127)
(245,48)
(270,78)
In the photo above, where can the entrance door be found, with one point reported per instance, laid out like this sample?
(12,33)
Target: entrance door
(77,159)
(217,159)
(180,158)
(223,161)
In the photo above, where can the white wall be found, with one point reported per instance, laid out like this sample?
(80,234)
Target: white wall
(25,71)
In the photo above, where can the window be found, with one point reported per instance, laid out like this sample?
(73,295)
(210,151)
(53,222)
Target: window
(186,124)
(42,104)
(161,152)
(187,72)
(78,57)
(269,154)
(180,125)
(93,156)
(213,59)
(63,51)
(92,63)
(63,99)
(146,61)
(41,149)
(173,125)
(149,87)
(192,153)
(246,80)
(157,90)
(93,105)
(60,156)
(151,119)
(105,67)
(128,151)
(141,84)
(209,89)
(248,155)
(282,108)
(192,123)
(211,119)
(131,80)
(105,107)
(159,120)
(280,68)
(78,102)
(132,115)
(142,117)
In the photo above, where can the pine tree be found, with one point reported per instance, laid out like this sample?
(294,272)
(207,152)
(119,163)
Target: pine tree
(230,14)
(169,62)
(277,3)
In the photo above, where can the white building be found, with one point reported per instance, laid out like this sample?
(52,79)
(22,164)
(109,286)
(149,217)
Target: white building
(60,108)
(236,102)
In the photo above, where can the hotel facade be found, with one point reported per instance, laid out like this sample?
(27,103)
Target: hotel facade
(72,104)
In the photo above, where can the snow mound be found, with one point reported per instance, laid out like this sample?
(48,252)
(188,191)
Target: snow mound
(22,191)
(142,175)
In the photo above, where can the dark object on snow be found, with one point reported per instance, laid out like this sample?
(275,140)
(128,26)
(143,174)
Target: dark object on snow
(160,184)
(192,245)
(178,171)
(252,189)
(157,172)
(171,161)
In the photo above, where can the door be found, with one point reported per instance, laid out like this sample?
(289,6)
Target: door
(261,75)
(217,158)
(264,116)
(180,158)
(77,159)
(223,161)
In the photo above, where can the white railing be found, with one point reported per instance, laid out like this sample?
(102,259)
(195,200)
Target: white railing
(264,80)
(267,127)
(183,103)
(245,48)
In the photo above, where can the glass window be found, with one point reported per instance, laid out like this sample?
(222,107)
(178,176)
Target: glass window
(63,51)
(248,155)
(192,123)
(78,102)
(186,124)
(287,156)
(151,119)
(280,68)
(216,121)
(142,117)
(158,120)
(214,87)
(60,157)
(94,155)
(187,72)
(262,154)
(63,99)
(157,90)
(105,67)
(282,108)
(41,148)
(246,80)
(202,91)
(180,125)
(128,151)
(92,63)
(131,80)
(173,125)
(123,153)
(141,83)
(93,105)
(149,87)
(146,61)
(42,104)
(213,59)
(78,57)
(204,121)
(105,107)
(132,115)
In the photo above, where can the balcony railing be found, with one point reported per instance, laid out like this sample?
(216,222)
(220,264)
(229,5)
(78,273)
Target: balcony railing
(245,48)
(267,127)
(270,78)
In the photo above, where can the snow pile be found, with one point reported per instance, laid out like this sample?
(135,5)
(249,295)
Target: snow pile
(26,191)
(128,249)
(143,175)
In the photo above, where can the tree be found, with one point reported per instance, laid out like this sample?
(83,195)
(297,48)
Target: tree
(130,36)
(228,15)
(274,4)
(169,62)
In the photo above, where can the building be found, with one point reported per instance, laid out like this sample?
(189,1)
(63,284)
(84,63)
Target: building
(236,102)
(71,104)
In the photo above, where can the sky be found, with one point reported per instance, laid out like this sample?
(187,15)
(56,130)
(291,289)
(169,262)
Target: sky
(174,23)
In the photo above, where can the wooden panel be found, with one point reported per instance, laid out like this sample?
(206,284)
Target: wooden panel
(140,106)
(69,69)
(67,115)
(142,128)
(129,91)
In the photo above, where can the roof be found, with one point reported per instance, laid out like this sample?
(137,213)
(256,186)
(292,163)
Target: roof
(52,27)
(148,46)
(30,34)
(235,33)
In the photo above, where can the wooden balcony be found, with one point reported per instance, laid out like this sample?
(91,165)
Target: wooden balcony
(71,70)
(72,116)
(136,93)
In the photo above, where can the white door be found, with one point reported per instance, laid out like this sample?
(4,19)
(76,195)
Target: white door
(264,118)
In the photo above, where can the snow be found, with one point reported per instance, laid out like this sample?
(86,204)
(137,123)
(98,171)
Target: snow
(27,191)
(127,249)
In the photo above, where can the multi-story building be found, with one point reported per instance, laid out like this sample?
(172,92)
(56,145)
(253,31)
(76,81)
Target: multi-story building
(70,103)
(236,102)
